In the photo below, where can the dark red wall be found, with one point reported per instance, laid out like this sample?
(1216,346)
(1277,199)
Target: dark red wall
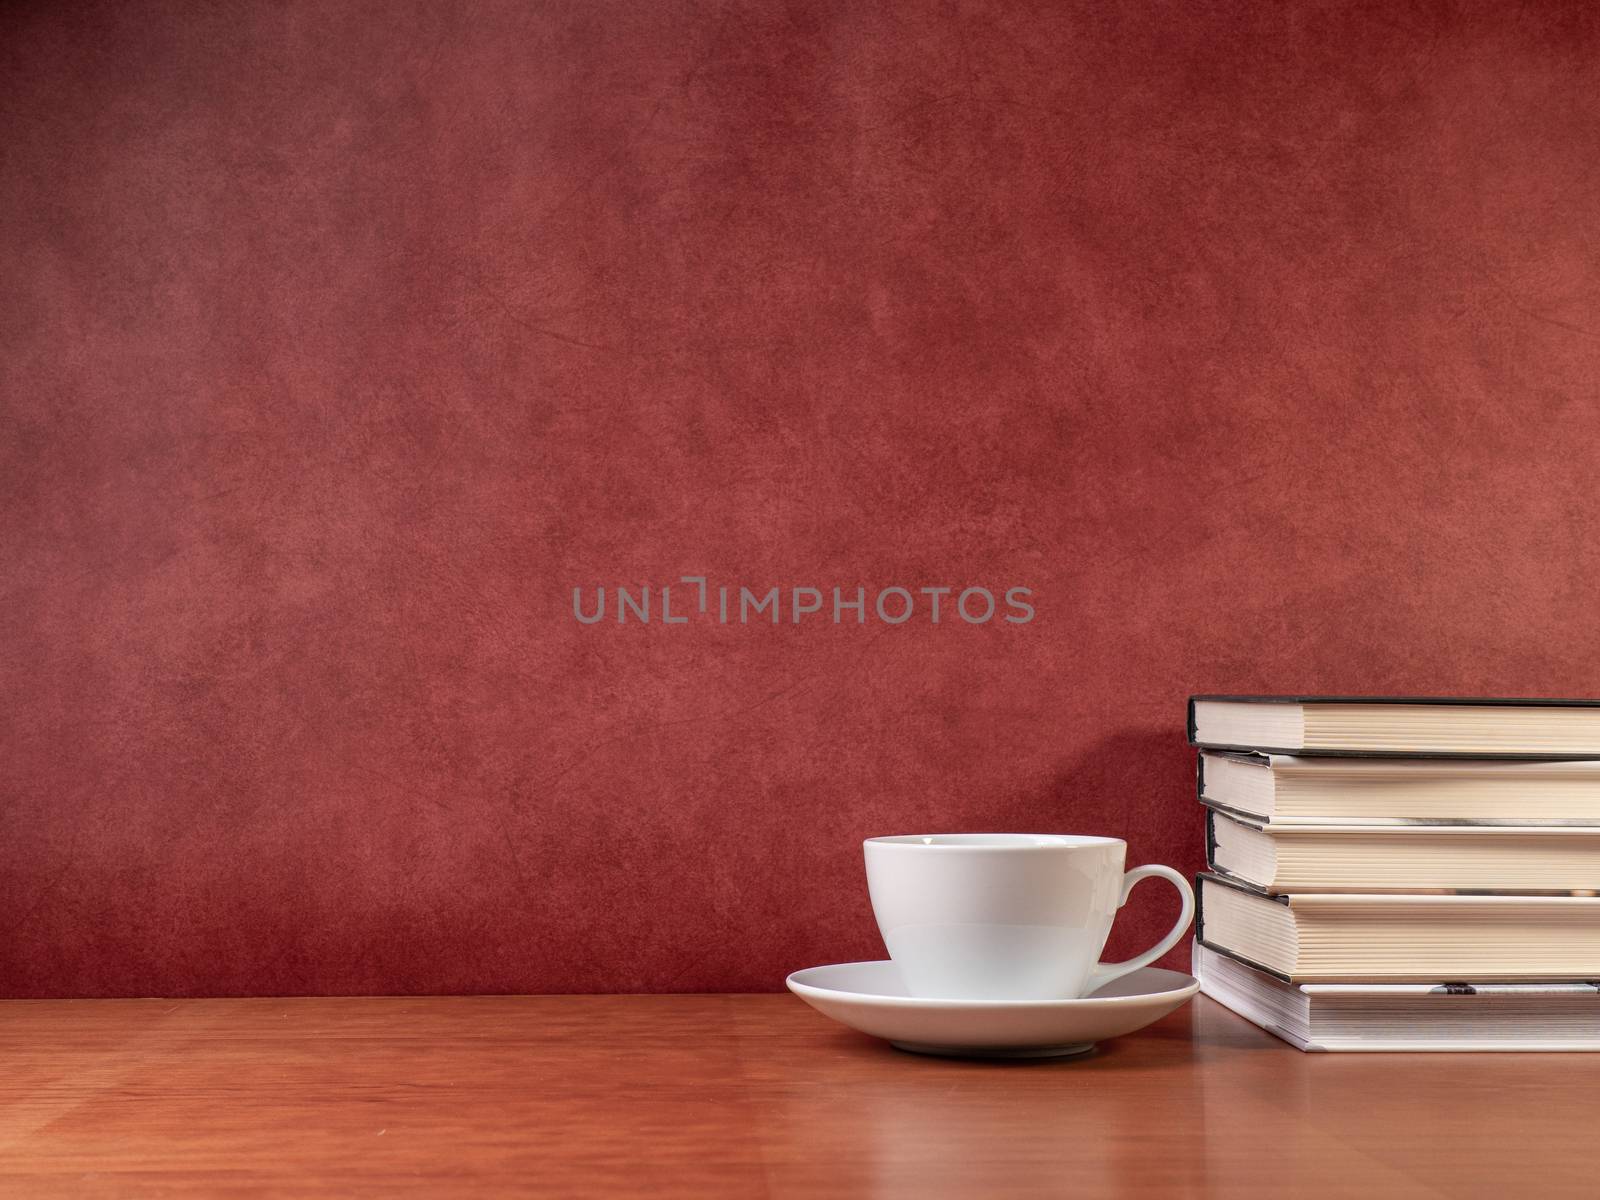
(338,343)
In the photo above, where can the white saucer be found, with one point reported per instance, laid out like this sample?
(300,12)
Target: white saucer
(870,997)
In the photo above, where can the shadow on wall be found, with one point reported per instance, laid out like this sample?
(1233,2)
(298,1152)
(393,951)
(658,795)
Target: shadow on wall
(1138,785)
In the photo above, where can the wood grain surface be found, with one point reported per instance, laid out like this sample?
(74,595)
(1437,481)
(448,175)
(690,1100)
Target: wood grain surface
(741,1096)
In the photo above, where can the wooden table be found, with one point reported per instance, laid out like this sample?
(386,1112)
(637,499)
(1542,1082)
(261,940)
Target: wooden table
(744,1096)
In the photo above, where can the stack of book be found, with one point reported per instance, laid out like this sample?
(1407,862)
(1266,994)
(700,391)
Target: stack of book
(1402,874)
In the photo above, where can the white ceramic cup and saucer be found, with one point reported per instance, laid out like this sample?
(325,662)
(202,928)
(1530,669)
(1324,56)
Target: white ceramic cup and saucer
(994,943)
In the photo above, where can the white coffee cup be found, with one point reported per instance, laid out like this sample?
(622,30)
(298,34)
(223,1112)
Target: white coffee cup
(1007,916)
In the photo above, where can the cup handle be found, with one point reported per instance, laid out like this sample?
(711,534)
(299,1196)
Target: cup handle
(1104,973)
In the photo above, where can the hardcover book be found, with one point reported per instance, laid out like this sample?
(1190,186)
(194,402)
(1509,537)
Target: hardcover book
(1403,858)
(1390,725)
(1401,937)
(1286,789)
(1406,1016)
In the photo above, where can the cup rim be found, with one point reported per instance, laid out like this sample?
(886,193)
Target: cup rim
(1009,842)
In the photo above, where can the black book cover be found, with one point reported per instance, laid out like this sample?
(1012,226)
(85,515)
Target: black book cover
(1212,812)
(1451,701)
(1200,766)
(1217,877)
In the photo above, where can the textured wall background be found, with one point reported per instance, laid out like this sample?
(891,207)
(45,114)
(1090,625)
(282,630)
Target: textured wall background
(339,342)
